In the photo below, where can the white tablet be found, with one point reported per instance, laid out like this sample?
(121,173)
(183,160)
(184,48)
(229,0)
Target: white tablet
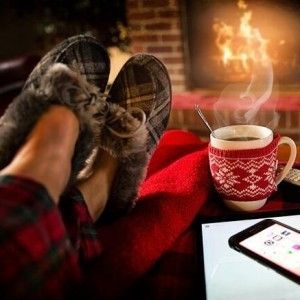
(229,274)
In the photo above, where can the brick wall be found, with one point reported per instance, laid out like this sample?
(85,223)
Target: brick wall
(155,28)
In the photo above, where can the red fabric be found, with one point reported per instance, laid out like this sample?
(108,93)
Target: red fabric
(176,275)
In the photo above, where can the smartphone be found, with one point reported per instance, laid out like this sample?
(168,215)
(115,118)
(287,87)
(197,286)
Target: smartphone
(273,244)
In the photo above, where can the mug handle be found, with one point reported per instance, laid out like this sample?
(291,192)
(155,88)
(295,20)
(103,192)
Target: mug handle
(291,160)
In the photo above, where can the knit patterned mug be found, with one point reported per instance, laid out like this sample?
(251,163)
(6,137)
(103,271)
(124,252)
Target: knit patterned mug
(243,163)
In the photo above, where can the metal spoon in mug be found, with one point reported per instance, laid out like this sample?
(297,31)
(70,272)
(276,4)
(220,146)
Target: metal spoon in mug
(200,113)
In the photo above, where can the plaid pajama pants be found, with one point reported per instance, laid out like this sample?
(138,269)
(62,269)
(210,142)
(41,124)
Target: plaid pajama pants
(41,249)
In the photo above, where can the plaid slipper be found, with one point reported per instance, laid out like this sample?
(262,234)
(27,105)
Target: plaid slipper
(90,64)
(143,84)
(81,53)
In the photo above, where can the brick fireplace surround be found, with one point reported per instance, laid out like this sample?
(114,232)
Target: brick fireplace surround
(156,28)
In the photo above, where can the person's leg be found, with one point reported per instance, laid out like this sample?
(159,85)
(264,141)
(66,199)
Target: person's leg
(46,155)
(34,239)
(96,188)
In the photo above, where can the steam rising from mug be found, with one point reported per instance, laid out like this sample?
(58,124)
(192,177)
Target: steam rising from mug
(242,103)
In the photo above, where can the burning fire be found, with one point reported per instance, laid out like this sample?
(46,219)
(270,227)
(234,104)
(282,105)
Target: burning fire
(241,47)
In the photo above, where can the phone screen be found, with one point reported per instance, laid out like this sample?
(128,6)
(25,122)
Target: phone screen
(229,274)
(277,244)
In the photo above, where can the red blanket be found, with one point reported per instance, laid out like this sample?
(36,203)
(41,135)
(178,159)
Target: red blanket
(150,254)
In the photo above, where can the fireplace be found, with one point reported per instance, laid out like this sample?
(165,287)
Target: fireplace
(184,35)
(225,37)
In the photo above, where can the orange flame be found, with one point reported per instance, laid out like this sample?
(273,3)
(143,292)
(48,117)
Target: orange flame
(241,47)
(242,4)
